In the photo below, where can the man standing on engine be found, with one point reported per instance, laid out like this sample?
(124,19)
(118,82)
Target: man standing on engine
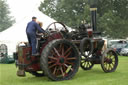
(31,30)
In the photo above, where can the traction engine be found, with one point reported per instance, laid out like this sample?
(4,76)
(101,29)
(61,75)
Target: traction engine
(62,52)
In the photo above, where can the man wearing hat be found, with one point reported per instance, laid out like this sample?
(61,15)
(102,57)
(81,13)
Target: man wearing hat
(31,29)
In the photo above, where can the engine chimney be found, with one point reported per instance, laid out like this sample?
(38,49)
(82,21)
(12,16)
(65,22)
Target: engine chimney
(93,9)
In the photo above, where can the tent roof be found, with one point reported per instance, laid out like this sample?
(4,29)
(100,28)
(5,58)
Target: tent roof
(17,31)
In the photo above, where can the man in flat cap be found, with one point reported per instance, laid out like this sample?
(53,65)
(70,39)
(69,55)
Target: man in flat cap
(31,30)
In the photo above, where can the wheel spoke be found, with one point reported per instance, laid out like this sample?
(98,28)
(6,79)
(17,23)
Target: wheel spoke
(105,64)
(64,67)
(106,67)
(90,63)
(56,51)
(113,63)
(113,60)
(62,71)
(52,58)
(68,67)
(53,53)
(87,64)
(68,54)
(83,64)
(58,72)
(112,57)
(69,63)
(82,61)
(52,65)
(50,62)
(62,50)
(67,50)
(110,66)
(54,72)
(73,58)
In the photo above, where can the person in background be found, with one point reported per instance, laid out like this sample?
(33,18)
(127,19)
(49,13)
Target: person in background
(31,30)
(40,24)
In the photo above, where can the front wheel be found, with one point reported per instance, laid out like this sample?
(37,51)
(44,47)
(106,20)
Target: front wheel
(60,60)
(109,61)
(86,63)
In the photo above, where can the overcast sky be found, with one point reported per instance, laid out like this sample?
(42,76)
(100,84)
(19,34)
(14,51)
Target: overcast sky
(20,8)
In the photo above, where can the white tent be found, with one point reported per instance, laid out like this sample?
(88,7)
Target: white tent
(17,33)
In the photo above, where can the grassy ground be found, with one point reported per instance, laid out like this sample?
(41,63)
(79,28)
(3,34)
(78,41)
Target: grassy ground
(96,76)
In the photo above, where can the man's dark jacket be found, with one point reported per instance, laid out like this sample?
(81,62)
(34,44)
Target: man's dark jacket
(31,30)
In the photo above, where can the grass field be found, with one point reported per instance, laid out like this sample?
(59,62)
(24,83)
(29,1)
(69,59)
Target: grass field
(96,76)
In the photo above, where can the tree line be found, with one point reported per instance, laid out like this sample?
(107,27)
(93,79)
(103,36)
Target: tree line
(112,15)
(5,19)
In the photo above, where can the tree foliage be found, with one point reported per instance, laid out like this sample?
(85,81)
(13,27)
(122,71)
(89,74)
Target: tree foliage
(5,20)
(70,12)
(113,18)
(112,15)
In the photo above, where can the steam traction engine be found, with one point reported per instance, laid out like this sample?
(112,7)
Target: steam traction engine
(62,52)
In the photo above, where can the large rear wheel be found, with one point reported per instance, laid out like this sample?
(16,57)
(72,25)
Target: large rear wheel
(60,60)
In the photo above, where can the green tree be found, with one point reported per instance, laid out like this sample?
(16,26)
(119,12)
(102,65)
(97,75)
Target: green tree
(70,12)
(5,20)
(112,15)
(113,25)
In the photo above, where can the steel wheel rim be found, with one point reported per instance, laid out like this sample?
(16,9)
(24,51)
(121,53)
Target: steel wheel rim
(109,61)
(85,63)
(62,61)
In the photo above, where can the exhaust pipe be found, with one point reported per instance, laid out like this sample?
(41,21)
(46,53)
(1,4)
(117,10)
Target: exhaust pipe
(93,10)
